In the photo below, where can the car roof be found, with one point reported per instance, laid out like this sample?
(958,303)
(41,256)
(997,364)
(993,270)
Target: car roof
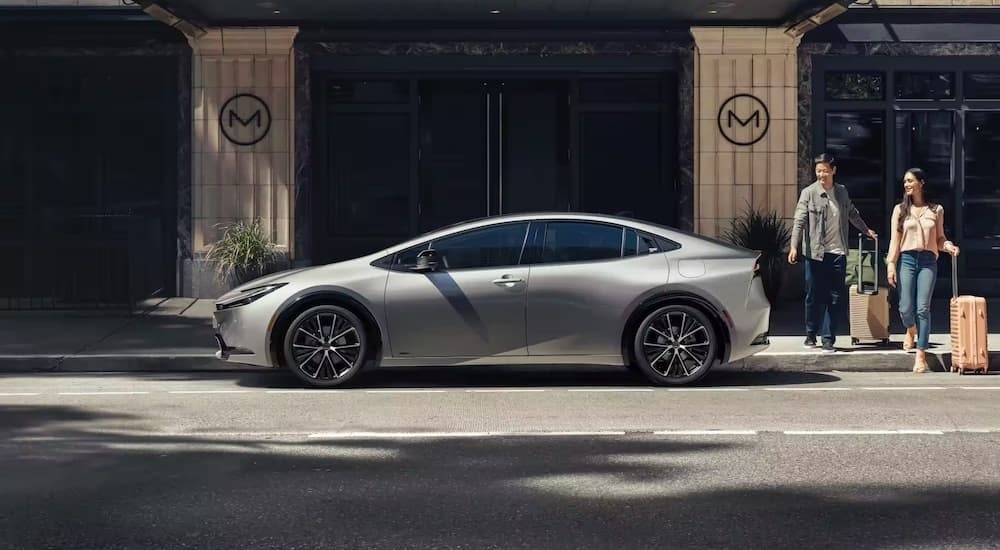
(683,237)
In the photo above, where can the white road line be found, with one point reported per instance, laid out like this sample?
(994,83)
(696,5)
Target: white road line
(315,392)
(903,388)
(394,435)
(980,387)
(708,389)
(104,393)
(507,390)
(808,389)
(426,435)
(108,356)
(405,391)
(838,354)
(207,391)
(608,390)
(17,394)
(863,432)
(706,432)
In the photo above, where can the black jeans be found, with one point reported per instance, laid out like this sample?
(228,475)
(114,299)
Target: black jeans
(825,294)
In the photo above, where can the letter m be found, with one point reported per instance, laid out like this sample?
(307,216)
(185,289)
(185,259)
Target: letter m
(755,117)
(255,117)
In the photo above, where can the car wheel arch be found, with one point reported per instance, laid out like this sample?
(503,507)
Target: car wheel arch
(288,311)
(683,297)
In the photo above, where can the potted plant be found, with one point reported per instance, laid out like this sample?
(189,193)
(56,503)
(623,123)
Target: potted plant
(768,234)
(244,252)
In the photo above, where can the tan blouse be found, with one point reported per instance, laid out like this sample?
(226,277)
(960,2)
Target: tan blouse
(923,229)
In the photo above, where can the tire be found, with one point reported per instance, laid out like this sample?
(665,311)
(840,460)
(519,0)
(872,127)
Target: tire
(325,346)
(669,357)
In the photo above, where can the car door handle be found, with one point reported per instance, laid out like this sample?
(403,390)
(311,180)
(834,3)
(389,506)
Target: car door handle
(507,280)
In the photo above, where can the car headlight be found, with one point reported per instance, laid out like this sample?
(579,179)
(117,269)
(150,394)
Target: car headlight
(247,296)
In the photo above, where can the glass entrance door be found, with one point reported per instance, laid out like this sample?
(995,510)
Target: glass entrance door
(926,139)
(980,216)
(491,147)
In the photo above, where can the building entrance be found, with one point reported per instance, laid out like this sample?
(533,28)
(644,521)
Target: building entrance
(406,156)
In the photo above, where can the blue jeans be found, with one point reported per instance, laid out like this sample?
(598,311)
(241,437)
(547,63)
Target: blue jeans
(916,274)
(825,295)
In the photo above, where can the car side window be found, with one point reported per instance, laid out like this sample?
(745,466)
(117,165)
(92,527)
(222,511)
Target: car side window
(638,243)
(494,246)
(580,242)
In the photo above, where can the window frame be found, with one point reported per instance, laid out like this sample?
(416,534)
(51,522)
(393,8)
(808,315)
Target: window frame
(389,261)
(959,104)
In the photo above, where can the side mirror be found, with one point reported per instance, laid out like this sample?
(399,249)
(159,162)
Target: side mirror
(428,260)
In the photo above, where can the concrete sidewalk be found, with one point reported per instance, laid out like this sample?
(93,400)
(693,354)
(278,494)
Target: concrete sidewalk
(176,335)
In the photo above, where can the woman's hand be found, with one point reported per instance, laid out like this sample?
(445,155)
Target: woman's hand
(950,248)
(890,275)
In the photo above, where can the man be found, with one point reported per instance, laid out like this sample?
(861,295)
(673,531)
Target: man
(820,229)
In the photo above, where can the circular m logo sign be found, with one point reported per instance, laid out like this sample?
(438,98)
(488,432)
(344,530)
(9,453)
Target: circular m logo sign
(743,119)
(245,119)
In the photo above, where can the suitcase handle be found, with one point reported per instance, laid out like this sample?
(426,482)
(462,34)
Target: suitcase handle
(954,277)
(861,268)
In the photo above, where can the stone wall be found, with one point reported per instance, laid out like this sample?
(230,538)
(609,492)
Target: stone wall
(729,176)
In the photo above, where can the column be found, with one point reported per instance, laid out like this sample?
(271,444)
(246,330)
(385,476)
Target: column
(746,88)
(242,142)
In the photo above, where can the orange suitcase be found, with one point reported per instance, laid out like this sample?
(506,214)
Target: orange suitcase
(968,330)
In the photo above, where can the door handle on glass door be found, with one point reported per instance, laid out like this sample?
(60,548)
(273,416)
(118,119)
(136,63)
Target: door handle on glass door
(507,280)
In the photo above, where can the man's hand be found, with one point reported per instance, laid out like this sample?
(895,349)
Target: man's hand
(792,255)
(872,234)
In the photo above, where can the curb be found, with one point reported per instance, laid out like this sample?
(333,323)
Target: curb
(120,363)
(850,361)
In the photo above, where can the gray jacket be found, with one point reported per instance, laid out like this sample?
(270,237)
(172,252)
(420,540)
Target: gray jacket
(811,217)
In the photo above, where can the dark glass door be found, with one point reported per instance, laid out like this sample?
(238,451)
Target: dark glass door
(492,147)
(926,139)
(626,141)
(980,220)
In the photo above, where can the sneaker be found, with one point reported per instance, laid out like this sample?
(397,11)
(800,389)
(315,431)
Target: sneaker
(810,342)
(828,347)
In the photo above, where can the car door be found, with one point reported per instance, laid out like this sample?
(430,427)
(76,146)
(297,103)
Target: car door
(585,277)
(471,306)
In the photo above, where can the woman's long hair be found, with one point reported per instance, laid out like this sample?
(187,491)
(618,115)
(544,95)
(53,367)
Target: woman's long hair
(907,202)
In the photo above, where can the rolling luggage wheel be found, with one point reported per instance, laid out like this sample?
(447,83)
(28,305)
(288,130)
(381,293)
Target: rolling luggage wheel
(855,341)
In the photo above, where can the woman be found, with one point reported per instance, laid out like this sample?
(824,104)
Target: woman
(917,239)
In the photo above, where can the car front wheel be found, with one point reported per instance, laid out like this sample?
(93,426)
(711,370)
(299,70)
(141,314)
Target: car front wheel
(675,345)
(325,346)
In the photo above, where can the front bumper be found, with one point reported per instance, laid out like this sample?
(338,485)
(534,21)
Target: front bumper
(240,337)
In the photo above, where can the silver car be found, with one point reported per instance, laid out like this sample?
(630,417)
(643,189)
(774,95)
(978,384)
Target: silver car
(529,289)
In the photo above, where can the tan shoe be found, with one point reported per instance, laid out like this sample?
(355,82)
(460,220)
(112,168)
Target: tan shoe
(920,364)
(910,340)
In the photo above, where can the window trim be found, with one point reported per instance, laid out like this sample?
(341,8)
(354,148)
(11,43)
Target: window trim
(389,261)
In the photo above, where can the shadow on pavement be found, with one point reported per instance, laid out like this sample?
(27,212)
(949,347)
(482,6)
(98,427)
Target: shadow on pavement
(489,377)
(85,487)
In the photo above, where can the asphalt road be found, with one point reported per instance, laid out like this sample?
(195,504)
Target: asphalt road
(500,458)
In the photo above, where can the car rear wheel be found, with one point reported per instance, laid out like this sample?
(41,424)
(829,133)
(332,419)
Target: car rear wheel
(675,345)
(325,346)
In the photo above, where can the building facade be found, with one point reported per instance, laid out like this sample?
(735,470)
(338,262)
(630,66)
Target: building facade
(136,132)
